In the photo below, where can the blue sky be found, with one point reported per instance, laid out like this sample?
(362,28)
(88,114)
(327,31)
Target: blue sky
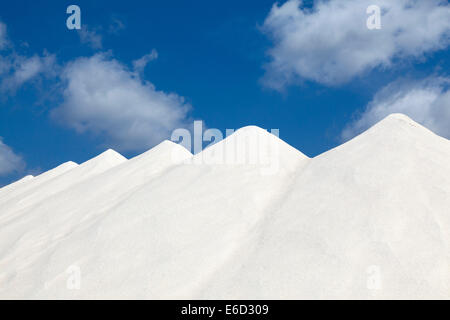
(313,70)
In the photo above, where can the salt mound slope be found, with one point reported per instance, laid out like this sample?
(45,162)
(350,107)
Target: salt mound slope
(165,226)
(28,240)
(15,184)
(60,180)
(24,185)
(369,219)
(151,230)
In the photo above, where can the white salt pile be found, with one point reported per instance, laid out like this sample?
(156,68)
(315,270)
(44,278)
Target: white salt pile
(368,219)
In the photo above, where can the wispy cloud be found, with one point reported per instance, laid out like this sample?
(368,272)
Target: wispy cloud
(426,101)
(140,64)
(3,36)
(17,70)
(116,26)
(90,37)
(331,43)
(10,162)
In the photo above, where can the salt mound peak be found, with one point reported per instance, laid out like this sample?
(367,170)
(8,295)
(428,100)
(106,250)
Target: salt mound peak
(399,121)
(403,121)
(109,156)
(396,128)
(255,133)
(399,116)
(103,162)
(22,180)
(168,145)
(394,139)
(254,136)
(66,166)
(254,146)
(251,130)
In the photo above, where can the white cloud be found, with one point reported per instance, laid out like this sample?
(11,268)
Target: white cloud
(19,69)
(103,97)
(9,161)
(140,64)
(426,101)
(90,37)
(16,69)
(331,43)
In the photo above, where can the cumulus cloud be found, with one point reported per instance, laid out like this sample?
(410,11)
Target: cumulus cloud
(103,97)
(99,95)
(140,64)
(426,101)
(9,161)
(331,44)
(90,37)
